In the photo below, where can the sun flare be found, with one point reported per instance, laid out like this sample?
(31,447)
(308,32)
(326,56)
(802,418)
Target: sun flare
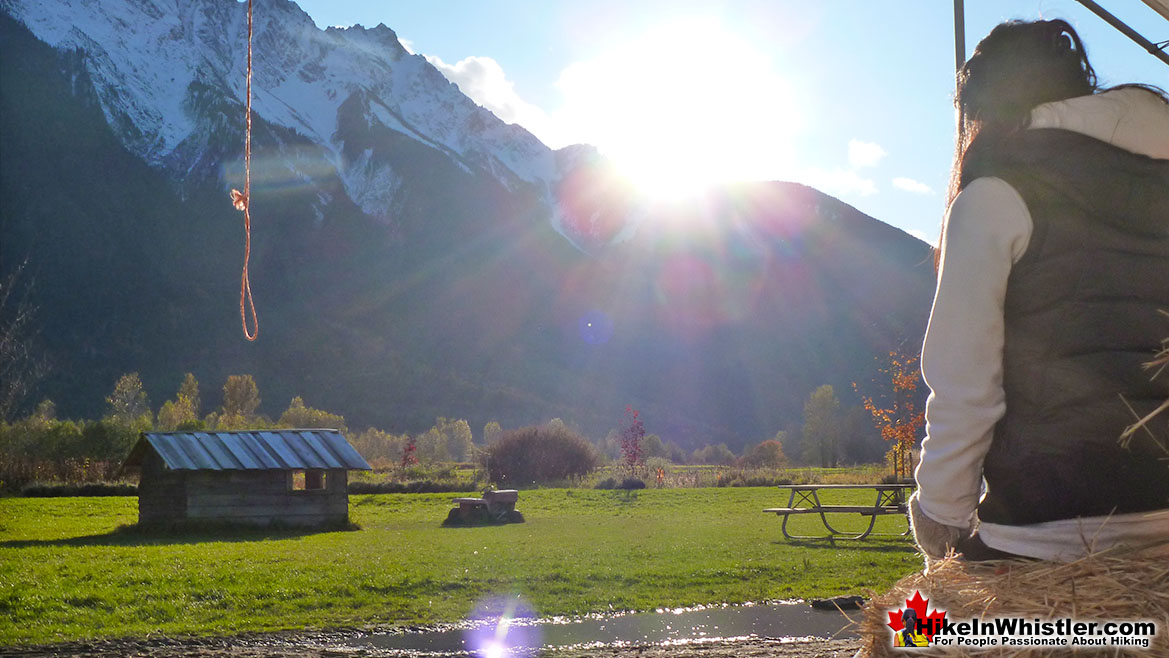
(684,106)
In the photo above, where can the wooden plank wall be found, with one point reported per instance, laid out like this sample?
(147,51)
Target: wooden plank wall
(265,497)
(162,496)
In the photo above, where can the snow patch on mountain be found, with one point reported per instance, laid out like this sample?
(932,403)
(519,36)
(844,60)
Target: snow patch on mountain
(153,62)
(127,48)
(373,188)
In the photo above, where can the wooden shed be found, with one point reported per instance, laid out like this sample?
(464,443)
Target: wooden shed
(284,477)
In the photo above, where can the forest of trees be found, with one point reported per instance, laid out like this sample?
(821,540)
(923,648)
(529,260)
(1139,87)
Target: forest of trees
(43,447)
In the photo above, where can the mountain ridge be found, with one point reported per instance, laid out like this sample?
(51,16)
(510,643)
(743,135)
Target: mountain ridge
(397,283)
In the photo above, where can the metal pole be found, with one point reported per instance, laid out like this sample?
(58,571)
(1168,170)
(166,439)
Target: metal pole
(959,34)
(1127,31)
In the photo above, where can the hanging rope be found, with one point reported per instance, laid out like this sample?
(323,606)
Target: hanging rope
(242,201)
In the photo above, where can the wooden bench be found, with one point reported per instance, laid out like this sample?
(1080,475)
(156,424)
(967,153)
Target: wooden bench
(805,499)
(863,510)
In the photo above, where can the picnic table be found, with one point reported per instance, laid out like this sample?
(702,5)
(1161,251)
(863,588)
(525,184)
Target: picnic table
(805,499)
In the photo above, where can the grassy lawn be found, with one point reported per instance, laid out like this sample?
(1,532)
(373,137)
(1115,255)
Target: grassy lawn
(65,573)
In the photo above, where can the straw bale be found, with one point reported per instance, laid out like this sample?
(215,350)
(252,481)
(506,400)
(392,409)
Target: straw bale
(1118,584)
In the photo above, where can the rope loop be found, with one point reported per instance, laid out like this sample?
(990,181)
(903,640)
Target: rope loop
(242,202)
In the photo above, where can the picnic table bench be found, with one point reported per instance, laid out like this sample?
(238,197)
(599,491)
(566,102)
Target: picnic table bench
(805,499)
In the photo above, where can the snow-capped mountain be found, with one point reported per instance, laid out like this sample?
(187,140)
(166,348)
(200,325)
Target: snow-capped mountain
(409,252)
(170,76)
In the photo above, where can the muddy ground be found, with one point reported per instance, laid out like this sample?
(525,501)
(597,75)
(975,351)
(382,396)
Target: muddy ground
(333,645)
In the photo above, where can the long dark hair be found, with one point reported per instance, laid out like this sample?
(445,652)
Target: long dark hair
(1018,66)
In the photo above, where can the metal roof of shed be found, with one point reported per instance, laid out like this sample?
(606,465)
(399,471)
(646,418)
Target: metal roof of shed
(249,450)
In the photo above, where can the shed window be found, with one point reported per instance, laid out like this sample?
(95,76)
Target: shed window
(308,480)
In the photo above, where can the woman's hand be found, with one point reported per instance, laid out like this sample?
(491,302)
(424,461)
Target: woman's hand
(935,539)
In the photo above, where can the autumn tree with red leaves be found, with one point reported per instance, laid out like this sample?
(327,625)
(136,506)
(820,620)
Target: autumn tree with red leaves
(896,414)
(409,452)
(632,432)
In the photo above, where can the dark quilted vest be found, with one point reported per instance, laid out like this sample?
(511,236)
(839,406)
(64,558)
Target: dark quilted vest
(1084,311)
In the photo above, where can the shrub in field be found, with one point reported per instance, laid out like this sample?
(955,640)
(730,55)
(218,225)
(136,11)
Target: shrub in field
(768,454)
(90,489)
(716,455)
(38,451)
(652,446)
(751,478)
(626,484)
(416,486)
(538,454)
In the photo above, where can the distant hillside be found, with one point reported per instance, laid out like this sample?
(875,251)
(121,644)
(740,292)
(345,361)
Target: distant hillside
(399,279)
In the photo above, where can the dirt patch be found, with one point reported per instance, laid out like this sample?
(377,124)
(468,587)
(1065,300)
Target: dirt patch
(329,645)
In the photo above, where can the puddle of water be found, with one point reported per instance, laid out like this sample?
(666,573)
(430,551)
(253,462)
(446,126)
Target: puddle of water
(518,637)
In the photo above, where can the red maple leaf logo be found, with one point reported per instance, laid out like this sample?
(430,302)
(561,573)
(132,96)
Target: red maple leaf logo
(930,623)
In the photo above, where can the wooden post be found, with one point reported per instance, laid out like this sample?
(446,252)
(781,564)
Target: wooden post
(959,34)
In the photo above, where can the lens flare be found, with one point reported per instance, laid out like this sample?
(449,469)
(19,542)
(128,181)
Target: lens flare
(493,649)
(595,327)
(496,633)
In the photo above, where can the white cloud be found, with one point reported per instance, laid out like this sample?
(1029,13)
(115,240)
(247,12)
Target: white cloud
(483,80)
(407,44)
(912,186)
(840,182)
(864,154)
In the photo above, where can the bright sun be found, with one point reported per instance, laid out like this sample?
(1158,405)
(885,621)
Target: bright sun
(684,106)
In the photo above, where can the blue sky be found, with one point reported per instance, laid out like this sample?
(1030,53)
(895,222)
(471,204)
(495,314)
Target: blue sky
(853,98)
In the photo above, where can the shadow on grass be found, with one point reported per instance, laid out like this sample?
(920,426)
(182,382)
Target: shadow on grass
(190,533)
(872,544)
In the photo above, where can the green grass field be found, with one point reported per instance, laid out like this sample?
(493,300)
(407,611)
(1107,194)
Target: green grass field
(67,573)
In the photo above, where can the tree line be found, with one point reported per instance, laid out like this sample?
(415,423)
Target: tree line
(41,446)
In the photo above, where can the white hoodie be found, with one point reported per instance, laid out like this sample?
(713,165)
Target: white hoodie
(987,231)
